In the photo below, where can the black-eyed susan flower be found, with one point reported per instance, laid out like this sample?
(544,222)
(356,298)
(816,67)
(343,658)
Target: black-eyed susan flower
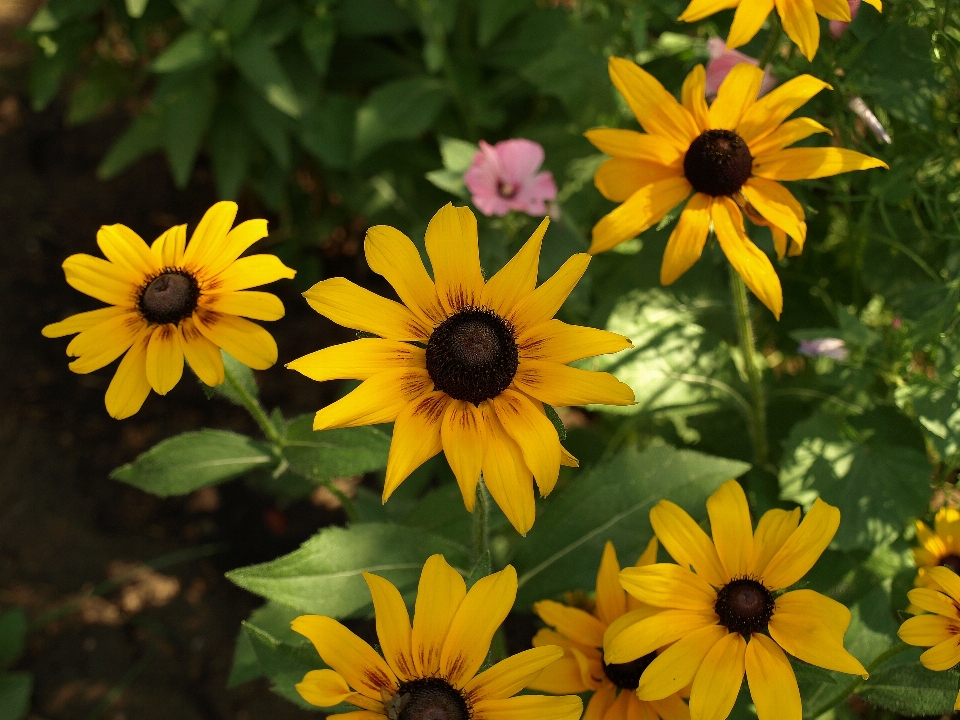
(429,671)
(722,611)
(941,545)
(171,301)
(463,365)
(581,634)
(799,18)
(940,630)
(731,156)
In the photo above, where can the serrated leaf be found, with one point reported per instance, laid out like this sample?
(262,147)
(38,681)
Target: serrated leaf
(191,49)
(144,135)
(187,462)
(13,635)
(284,665)
(334,453)
(400,110)
(611,502)
(15,690)
(324,575)
(257,62)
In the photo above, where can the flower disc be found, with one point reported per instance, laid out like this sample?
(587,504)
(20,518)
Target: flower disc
(745,606)
(718,162)
(169,297)
(627,675)
(429,699)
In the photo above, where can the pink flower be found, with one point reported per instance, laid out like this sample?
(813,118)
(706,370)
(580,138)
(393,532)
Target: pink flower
(722,61)
(838,27)
(504,177)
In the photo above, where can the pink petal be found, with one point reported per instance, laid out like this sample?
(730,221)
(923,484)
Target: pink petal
(838,27)
(520,159)
(533,194)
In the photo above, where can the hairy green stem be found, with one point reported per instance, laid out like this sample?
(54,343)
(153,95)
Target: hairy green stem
(758,406)
(481,517)
(253,407)
(773,43)
(852,686)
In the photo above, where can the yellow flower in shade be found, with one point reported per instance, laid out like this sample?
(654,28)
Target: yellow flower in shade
(939,631)
(725,617)
(169,301)
(581,634)
(730,156)
(799,18)
(429,671)
(463,365)
(940,546)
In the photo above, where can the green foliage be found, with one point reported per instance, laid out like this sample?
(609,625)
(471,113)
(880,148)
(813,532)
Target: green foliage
(15,687)
(904,686)
(334,453)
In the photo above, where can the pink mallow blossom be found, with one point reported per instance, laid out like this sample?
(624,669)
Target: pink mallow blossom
(504,177)
(722,61)
(838,27)
(824,347)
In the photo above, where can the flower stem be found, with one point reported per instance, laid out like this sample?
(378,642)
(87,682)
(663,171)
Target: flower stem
(855,683)
(773,43)
(758,406)
(253,407)
(481,517)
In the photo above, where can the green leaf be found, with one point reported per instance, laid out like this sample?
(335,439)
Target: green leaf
(400,110)
(144,135)
(45,77)
(284,665)
(258,64)
(937,407)
(13,634)
(96,91)
(862,466)
(324,575)
(611,502)
(242,374)
(269,123)
(193,460)
(449,181)
(15,691)
(494,15)
(237,16)
(273,619)
(200,12)
(575,74)
(317,37)
(327,128)
(230,146)
(189,108)
(557,422)
(457,154)
(365,18)
(904,686)
(136,8)
(192,49)
(334,453)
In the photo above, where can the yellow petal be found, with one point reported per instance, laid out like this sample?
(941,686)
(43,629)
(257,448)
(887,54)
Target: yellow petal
(811,640)
(671,708)
(790,132)
(124,248)
(737,93)
(555,340)
(237,242)
(204,357)
(392,254)
(379,399)
(84,321)
(102,280)
(649,554)
(686,542)
(354,307)
(804,547)
(416,438)
(628,619)
(927,630)
(507,477)
(833,9)
(657,110)
(562,677)
(574,623)
(801,24)
(439,596)
(323,688)
(245,303)
(810,163)
(776,106)
(947,579)
(534,434)
(164,359)
(248,272)
(875,3)
(360,714)
(524,707)
(611,601)
(668,586)
(747,259)
(209,236)
(393,626)
(676,667)
(463,437)
(636,146)
(773,685)
(699,9)
(934,601)
(246,341)
(819,607)
(694,98)
(619,178)
(687,239)
(942,656)
(510,676)
(482,611)
(718,680)
(642,210)
(654,632)
(544,302)
(103,343)
(455,255)
(772,532)
(748,19)
(168,248)
(518,278)
(359,359)
(356,662)
(129,386)
(731,528)
(776,204)
(561,386)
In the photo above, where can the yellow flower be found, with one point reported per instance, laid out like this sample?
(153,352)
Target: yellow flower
(799,18)
(581,634)
(429,671)
(463,365)
(725,617)
(730,156)
(171,301)
(941,546)
(940,631)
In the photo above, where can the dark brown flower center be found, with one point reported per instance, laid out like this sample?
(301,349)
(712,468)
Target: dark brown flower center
(169,298)
(718,162)
(744,605)
(952,562)
(472,355)
(428,699)
(627,675)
